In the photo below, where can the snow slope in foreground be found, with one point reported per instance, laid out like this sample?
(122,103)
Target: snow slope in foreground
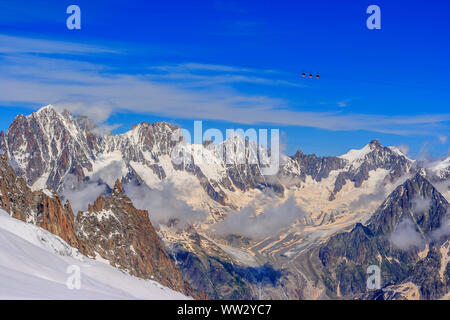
(34,262)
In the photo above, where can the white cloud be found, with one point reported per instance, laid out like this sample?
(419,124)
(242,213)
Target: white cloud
(406,236)
(421,205)
(365,200)
(163,205)
(193,66)
(12,44)
(109,174)
(444,230)
(273,218)
(80,194)
(344,103)
(443,139)
(96,111)
(404,148)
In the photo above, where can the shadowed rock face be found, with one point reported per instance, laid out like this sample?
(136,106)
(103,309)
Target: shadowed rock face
(209,269)
(317,167)
(346,256)
(218,278)
(427,279)
(51,144)
(403,203)
(425,274)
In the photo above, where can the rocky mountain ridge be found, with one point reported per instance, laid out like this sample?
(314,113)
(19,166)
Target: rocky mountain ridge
(48,145)
(112,230)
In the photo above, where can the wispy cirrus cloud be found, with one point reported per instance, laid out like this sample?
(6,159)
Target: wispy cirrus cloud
(192,66)
(344,103)
(15,45)
(30,74)
(200,74)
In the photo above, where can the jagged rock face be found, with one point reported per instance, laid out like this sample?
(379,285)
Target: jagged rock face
(426,275)
(114,229)
(403,202)
(39,208)
(155,139)
(243,161)
(346,256)
(47,145)
(316,167)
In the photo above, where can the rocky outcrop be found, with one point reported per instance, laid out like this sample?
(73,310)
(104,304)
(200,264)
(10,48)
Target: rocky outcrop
(316,167)
(41,208)
(115,230)
(428,279)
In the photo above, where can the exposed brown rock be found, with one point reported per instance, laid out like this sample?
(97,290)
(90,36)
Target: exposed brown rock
(37,207)
(114,229)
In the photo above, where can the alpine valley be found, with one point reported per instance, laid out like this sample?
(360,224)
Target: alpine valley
(207,228)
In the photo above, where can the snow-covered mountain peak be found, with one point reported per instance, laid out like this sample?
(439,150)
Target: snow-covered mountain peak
(374,154)
(46,109)
(157,126)
(357,154)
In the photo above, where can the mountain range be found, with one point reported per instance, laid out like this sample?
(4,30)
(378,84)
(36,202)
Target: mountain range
(211,228)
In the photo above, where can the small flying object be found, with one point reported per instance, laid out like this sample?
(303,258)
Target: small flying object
(310,75)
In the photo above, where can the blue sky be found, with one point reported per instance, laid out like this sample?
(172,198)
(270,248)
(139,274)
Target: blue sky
(236,64)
